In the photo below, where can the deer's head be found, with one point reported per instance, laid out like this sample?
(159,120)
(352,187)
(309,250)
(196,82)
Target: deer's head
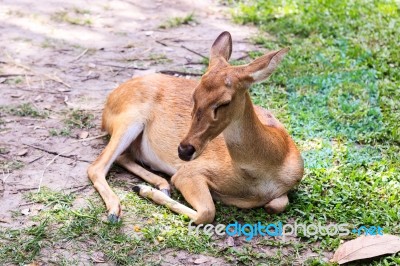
(219,98)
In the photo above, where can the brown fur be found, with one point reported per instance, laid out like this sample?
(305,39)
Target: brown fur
(253,163)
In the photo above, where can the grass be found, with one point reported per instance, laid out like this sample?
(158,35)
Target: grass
(337,92)
(75,16)
(74,119)
(178,21)
(7,166)
(25,109)
(145,231)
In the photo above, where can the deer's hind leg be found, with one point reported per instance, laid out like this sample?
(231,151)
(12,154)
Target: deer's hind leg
(127,161)
(121,138)
(277,205)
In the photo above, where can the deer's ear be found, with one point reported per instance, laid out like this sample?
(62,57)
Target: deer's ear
(261,68)
(222,47)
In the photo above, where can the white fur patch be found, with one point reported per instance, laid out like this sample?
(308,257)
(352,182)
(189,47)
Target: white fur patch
(148,156)
(129,136)
(264,73)
(233,133)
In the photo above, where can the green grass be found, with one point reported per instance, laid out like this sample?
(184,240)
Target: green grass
(75,17)
(338,93)
(25,109)
(178,21)
(85,230)
(74,119)
(9,165)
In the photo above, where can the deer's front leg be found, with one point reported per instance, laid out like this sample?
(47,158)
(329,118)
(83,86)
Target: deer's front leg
(277,205)
(196,192)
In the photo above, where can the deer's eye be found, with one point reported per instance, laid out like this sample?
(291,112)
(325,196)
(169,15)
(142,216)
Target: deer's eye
(219,108)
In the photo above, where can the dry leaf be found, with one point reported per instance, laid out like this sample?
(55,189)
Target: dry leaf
(83,135)
(230,241)
(98,257)
(32,264)
(201,260)
(38,98)
(365,247)
(22,152)
(26,211)
(63,90)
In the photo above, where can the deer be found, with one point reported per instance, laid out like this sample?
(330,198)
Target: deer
(206,134)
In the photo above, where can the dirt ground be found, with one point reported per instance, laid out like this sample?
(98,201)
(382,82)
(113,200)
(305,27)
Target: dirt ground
(60,56)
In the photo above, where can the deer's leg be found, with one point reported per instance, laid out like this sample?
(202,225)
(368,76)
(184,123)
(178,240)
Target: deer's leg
(129,164)
(277,205)
(195,191)
(119,142)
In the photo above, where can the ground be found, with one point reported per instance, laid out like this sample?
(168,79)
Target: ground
(58,62)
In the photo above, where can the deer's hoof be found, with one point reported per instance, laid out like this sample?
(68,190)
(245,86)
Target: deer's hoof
(136,189)
(166,192)
(113,218)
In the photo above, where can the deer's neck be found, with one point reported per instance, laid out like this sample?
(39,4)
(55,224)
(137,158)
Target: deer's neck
(250,143)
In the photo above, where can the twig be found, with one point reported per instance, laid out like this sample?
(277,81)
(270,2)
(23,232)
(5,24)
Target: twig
(163,44)
(44,170)
(173,72)
(194,63)
(57,79)
(13,75)
(27,203)
(79,56)
(96,76)
(54,77)
(80,188)
(55,153)
(196,53)
(91,138)
(5,176)
(34,160)
(36,91)
(124,67)
(27,81)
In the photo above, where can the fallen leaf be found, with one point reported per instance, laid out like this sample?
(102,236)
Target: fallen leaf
(230,241)
(98,257)
(365,247)
(22,152)
(160,238)
(38,98)
(63,90)
(26,211)
(201,260)
(32,264)
(83,135)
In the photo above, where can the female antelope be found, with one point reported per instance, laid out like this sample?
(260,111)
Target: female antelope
(253,163)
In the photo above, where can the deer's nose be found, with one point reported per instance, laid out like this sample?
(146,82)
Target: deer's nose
(186,151)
